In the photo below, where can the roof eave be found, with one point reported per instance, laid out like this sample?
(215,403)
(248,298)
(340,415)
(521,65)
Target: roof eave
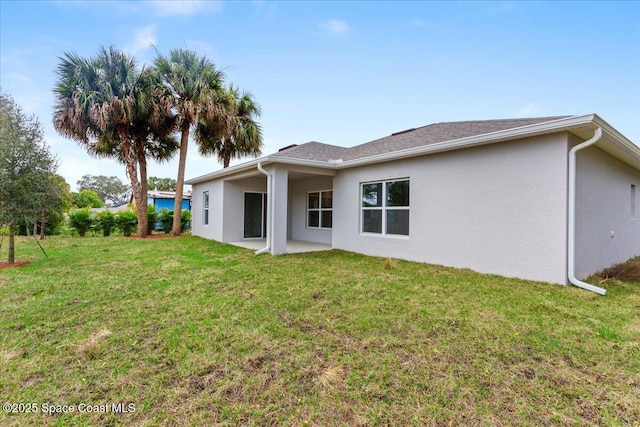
(253,164)
(617,144)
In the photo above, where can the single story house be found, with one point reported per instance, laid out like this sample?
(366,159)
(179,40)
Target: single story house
(550,199)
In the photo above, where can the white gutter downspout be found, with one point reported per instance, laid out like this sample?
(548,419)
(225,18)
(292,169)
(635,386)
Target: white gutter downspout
(571,255)
(269,214)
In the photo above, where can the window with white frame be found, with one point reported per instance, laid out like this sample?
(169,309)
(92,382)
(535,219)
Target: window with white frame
(385,207)
(320,209)
(205,203)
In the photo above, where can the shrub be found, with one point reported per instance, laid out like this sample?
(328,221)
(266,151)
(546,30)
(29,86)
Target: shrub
(152,218)
(166,219)
(127,221)
(105,221)
(80,220)
(185,219)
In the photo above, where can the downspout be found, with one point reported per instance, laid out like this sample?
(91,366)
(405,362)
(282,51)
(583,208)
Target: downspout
(571,243)
(267,248)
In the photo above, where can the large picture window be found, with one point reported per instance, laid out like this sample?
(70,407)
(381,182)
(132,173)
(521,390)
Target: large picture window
(385,207)
(205,203)
(320,209)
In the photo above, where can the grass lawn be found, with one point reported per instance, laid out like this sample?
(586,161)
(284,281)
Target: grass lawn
(194,332)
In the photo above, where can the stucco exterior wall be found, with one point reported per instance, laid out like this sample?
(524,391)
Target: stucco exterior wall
(603,206)
(495,209)
(233,205)
(214,229)
(298,190)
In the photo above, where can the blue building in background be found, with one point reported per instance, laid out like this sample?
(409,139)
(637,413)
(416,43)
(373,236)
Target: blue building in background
(165,199)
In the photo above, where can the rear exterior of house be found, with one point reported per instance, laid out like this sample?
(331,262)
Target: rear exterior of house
(492,196)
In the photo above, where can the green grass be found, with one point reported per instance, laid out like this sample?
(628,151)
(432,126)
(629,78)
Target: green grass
(193,332)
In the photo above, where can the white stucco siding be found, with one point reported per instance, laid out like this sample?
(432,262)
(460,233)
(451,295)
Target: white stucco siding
(603,205)
(233,205)
(213,230)
(495,209)
(298,190)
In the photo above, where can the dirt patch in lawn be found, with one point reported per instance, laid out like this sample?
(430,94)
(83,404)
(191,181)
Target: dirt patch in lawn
(5,264)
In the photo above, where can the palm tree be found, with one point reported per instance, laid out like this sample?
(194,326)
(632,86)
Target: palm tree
(107,105)
(192,85)
(234,134)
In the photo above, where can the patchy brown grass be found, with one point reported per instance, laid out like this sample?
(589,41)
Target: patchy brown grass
(389,264)
(627,271)
(209,334)
(92,347)
(16,264)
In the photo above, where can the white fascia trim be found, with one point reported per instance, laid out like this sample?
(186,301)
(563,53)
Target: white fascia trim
(264,161)
(622,141)
(228,171)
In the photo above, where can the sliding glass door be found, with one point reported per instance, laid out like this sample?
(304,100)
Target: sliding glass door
(255,215)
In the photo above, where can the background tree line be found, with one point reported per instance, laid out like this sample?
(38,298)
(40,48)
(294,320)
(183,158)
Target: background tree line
(96,191)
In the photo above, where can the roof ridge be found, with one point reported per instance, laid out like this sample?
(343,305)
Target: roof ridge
(513,119)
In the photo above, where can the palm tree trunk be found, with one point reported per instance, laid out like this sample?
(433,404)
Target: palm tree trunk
(141,208)
(177,204)
(131,163)
(141,204)
(227,152)
(12,244)
(142,161)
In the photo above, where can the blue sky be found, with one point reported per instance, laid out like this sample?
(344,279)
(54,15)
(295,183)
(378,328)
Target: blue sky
(345,73)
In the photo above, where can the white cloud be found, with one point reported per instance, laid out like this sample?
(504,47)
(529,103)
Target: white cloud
(143,39)
(335,26)
(184,7)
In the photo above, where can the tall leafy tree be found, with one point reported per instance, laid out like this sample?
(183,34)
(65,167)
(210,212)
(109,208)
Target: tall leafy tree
(107,104)
(235,133)
(162,184)
(26,166)
(56,201)
(87,199)
(192,86)
(108,188)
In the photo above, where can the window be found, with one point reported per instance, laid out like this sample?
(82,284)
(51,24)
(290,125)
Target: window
(385,207)
(633,201)
(320,209)
(205,201)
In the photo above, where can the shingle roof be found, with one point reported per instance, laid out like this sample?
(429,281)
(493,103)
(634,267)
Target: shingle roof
(313,151)
(426,135)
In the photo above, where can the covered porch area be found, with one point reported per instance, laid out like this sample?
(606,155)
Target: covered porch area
(281,207)
(293,246)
